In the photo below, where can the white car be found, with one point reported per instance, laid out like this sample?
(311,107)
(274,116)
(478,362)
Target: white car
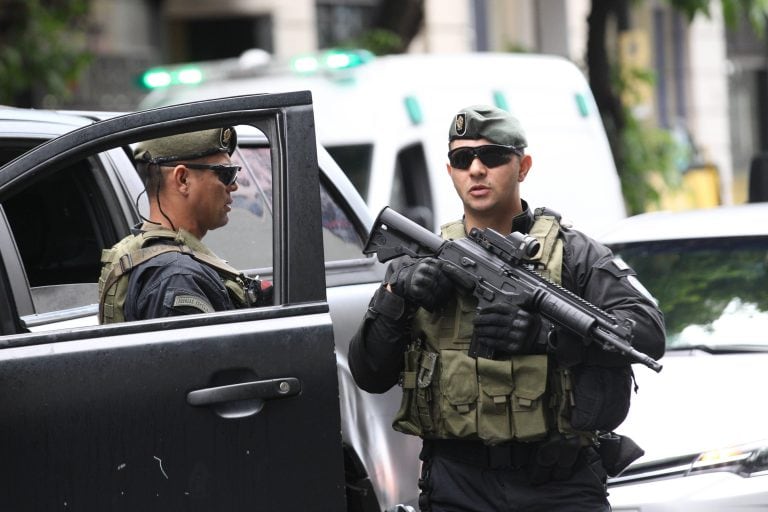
(702,421)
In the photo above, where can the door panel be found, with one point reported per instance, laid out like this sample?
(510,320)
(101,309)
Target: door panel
(110,417)
(132,438)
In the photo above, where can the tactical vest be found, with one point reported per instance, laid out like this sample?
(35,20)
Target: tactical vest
(449,395)
(134,250)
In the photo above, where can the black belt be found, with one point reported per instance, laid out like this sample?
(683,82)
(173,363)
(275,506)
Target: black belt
(508,455)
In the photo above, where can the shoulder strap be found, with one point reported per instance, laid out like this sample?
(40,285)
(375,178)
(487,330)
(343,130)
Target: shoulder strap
(453,230)
(546,229)
(134,251)
(124,257)
(186,243)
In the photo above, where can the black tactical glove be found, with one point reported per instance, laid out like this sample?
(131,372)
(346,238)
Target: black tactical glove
(507,328)
(428,282)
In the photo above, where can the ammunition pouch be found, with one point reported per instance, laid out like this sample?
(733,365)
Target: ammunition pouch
(451,395)
(555,458)
(601,397)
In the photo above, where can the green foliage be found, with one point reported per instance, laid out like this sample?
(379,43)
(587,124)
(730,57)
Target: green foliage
(43,48)
(378,41)
(693,7)
(646,151)
(754,10)
(516,47)
(646,156)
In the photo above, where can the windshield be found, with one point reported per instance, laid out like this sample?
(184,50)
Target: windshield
(714,293)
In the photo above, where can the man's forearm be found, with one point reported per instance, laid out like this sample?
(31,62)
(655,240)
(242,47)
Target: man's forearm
(376,350)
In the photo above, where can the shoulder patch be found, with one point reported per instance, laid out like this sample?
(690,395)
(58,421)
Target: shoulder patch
(620,263)
(637,285)
(194,302)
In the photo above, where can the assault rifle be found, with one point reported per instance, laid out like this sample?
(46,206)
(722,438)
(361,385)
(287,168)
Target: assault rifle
(498,265)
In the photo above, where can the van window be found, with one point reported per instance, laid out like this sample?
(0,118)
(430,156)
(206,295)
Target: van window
(341,241)
(411,188)
(355,160)
(246,241)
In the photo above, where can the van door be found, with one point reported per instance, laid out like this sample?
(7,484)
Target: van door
(234,411)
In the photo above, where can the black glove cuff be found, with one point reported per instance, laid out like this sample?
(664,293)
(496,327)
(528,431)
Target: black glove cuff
(391,306)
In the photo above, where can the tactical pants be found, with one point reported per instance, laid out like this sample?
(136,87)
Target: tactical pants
(449,485)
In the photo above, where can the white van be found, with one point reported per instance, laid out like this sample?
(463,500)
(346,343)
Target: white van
(386,119)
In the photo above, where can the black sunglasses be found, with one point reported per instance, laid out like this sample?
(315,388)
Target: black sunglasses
(227,174)
(492,155)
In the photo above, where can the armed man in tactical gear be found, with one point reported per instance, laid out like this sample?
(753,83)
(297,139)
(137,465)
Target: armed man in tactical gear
(527,425)
(163,269)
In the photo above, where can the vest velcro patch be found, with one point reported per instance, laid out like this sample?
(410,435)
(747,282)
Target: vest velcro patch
(192,301)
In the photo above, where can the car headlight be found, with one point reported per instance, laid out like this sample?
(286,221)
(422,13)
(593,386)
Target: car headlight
(745,460)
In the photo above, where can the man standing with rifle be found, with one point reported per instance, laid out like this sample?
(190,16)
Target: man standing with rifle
(515,402)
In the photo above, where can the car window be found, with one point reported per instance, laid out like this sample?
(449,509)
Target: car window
(60,227)
(246,240)
(712,292)
(341,241)
(57,229)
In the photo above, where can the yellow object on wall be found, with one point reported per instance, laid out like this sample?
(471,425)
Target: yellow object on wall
(699,188)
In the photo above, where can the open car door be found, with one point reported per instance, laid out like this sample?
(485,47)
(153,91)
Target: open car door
(227,411)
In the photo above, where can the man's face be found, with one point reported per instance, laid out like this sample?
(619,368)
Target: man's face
(487,189)
(210,198)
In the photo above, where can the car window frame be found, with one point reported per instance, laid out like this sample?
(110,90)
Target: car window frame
(293,283)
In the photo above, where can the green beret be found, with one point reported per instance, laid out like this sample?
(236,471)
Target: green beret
(487,122)
(187,146)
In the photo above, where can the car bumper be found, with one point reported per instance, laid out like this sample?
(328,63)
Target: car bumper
(710,492)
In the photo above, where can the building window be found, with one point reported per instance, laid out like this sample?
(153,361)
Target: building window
(339,22)
(221,38)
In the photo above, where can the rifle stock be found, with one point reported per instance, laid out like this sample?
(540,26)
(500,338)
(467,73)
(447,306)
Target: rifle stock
(498,266)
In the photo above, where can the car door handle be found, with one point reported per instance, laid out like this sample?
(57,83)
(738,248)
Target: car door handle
(261,389)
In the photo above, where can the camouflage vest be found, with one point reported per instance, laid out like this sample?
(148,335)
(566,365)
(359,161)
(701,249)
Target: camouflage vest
(134,250)
(449,395)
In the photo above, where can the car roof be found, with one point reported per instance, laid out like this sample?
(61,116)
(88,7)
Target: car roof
(46,124)
(718,222)
(70,119)
(40,124)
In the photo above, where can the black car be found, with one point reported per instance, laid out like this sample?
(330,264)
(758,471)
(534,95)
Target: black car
(246,410)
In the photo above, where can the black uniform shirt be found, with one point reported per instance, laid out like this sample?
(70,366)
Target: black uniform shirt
(174,284)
